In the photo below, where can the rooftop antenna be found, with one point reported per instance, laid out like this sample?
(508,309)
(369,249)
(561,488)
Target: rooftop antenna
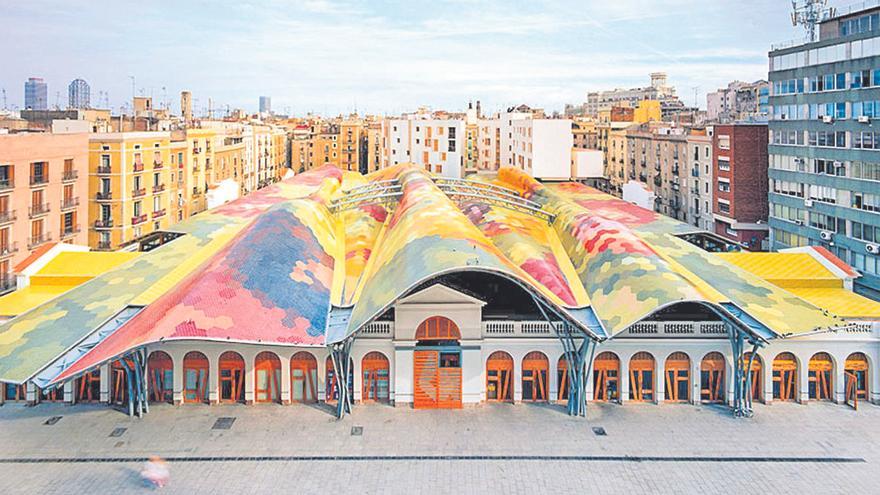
(809,13)
(57,100)
(3,92)
(696,90)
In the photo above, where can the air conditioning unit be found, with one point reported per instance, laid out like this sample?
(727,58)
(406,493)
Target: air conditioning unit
(826,235)
(827,119)
(799,222)
(864,119)
(808,203)
(838,164)
(873,248)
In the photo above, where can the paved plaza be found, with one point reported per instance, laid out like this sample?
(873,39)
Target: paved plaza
(785,448)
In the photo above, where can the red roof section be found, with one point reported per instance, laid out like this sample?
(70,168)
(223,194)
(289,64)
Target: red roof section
(34,256)
(839,263)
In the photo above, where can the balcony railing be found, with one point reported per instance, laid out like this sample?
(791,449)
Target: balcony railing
(69,175)
(104,169)
(69,203)
(8,248)
(138,192)
(159,188)
(157,164)
(72,230)
(7,282)
(104,224)
(38,180)
(378,329)
(37,210)
(139,219)
(159,213)
(138,167)
(7,216)
(104,196)
(679,328)
(6,184)
(37,240)
(104,245)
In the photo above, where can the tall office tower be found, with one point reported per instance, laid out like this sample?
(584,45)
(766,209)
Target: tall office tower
(78,93)
(265,105)
(823,152)
(36,94)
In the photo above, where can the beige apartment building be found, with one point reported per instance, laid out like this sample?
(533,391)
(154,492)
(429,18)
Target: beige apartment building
(130,180)
(43,185)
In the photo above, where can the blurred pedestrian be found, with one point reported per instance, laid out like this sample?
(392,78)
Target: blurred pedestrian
(156,472)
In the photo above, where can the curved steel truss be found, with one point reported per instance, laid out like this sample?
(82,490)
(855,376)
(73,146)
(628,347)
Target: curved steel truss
(463,190)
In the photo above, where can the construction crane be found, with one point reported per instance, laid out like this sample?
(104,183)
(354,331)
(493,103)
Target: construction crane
(809,13)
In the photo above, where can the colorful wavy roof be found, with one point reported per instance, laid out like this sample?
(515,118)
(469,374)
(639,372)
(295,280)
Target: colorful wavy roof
(276,266)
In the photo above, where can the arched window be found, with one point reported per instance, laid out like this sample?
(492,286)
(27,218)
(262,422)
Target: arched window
(712,378)
(195,377)
(856,373)
(375,388)
(231,367)
(499,377)
(88,387)
(785,370)
(332,387)
(820,376)
(438,328)
(534,377)
(641,377)
(562,379)
(757,375)
(678,377)
(606,377)
(267,383)
(160,371)
(303,377)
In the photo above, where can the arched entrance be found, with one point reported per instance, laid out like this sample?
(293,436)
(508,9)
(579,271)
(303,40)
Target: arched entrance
(375,388)
(785,370)
(437,365)
(195,377)
(267,383)
(712,378)
(332,387)
(678,377)
(562,380)
(54,394)
(757,386)
(641,377)
(231,368)
(856,373)
(303,377)
(118,383)
(606,377)
(820,373)
(499,377)
(534,377)
(88,387)
(160,372)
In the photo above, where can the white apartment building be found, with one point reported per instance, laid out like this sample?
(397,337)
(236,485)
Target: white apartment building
(435,144)
(540,147)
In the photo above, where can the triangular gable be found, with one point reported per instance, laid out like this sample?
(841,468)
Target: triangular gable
(440,294)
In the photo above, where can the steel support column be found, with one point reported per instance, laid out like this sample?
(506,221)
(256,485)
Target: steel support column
(742,376)
(340,353)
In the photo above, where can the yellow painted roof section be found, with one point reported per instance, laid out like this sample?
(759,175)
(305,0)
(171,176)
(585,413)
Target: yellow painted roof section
(21,301)
(842,302)
(786,270)
(85,264)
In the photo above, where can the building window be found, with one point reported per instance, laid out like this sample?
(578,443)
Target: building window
(723,186)
(723,164)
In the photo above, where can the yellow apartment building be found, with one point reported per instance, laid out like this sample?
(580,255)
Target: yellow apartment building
(349,145)
(129,187)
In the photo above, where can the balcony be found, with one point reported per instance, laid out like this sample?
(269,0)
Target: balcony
(196,193)
(105,223)
(8,249)
(70,231)
(139,219)
(159,213)
(138,192)
(104,169)
(69,203)
(684,329)
(69,175)
(104,196)
(39,180)
(38,210)
(196,151)
(195,169)
(38,240)
(657,180)
(138,167)
(7,216)
(7,282)
(159,188)
(157,164)
(6,184)
(695,172)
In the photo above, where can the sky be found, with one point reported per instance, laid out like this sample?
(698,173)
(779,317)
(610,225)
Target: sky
(381,56)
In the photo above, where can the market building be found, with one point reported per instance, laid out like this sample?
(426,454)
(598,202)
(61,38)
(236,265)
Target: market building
(407,288)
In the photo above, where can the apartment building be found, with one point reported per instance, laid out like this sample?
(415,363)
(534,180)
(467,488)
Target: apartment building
(659,90)
(739,101)
(129,180)
(658,155)
(435,144)
(373,148)
(350,145)
(740,180)
(824,164)
(700,167)
(43,186)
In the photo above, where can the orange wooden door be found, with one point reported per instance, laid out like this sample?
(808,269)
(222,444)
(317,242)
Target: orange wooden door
(785,371)
(712,378)
(427,381)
